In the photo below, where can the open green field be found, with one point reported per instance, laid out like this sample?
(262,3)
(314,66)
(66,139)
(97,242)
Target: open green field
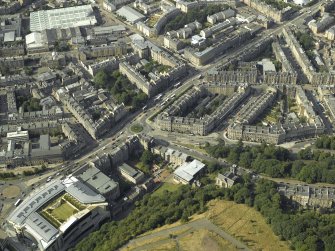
(63,212)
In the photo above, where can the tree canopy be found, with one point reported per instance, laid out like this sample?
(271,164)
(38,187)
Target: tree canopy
(306,230)
(120,88)
(309,166)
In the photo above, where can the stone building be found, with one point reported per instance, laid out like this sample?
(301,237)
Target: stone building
(171,120)
(91,52)
(228,179)
(217,17)
(256,105)
(307,196)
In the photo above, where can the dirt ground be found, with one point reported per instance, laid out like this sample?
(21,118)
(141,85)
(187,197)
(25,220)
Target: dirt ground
(11,191)
(245,224)
(204,240)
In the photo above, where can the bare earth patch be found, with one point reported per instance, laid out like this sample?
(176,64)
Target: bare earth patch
(11,191)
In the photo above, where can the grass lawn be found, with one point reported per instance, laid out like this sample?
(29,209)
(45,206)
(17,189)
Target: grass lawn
(136,128)
(205,240)
(167,187)
(245,224)
(63,212)
(242,222)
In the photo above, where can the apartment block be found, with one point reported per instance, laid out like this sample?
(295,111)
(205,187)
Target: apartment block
(172,121)
(91,52)
(276,134)
(255,107)
(321,25)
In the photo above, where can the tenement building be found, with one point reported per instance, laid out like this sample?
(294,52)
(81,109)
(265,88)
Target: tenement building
(274,134)
(250,112)
(173,121)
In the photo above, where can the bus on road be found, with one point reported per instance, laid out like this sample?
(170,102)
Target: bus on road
(17,202)
(158,97)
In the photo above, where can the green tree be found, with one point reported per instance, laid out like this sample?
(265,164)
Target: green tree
(101,79)
(147,157)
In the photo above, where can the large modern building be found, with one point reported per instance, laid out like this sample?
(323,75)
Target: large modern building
(62,18)
(57,215)
(130,14)
(99,182)
(188,172)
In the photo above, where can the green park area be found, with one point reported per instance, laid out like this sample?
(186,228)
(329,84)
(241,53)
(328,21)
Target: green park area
(147,161)
(136,128)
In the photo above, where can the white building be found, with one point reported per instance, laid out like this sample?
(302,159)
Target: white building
(36,218)
(197,40)
(188,172)
(19,135)
(301,2)
(130,14)
(62,18)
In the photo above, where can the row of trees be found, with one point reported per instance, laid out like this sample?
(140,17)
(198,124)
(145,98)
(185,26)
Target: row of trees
(7,175)
(309,166)
(35,170)
(121,88)
(325,142)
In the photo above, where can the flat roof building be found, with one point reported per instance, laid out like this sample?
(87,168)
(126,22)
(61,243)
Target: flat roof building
(62,18)
(130,14)
(131,174)
(33,219)
(100,182)
(188,171)
(18,135)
